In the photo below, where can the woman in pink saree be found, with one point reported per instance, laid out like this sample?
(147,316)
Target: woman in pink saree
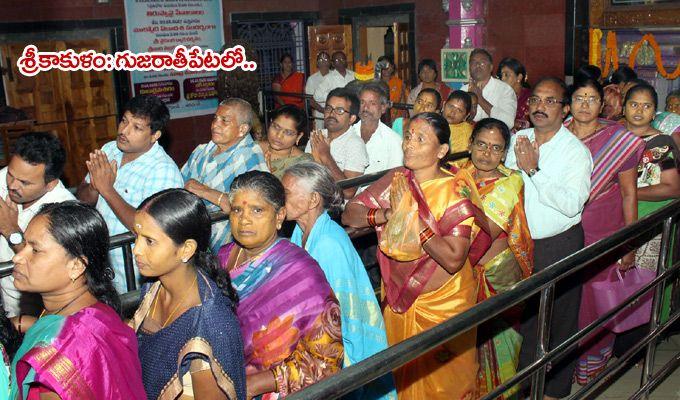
(288,313)
(78,348)
(611,206)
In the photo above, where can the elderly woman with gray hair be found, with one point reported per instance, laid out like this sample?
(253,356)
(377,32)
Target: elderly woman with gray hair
(311,193)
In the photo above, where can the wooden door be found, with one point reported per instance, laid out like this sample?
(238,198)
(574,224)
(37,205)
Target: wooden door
(78,106)
(402,56)
(330,38)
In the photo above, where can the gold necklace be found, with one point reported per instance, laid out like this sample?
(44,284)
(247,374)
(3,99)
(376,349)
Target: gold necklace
(268,157)
(248,259)
(186,293)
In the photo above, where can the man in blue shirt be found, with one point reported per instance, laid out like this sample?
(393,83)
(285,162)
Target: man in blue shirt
(213,166)
(556,169)
(128,170)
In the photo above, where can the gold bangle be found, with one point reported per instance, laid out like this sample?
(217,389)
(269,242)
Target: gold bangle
(219,199)
(19,327)
(276,381)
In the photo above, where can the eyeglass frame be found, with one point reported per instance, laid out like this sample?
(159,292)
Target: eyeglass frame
(590,100)
(549,101)
(484,147)
(334,110)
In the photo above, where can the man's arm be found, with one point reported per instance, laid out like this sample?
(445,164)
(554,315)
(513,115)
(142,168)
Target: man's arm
(337,173)
(87,194)
(310,91)
(568,191)
(505,107)
(124,211)
(102,177)
(9,222)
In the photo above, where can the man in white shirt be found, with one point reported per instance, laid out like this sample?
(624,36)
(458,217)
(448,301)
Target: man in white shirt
(495,98)
(337,78)
(323,62)
(30,180)
(556,169)
(338,148)
(382,143)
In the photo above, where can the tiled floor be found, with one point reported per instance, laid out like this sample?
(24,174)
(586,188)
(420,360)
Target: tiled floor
(629,382)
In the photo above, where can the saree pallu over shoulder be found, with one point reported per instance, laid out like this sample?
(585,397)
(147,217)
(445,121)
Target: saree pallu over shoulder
(289,316)
(449,371)
(443,204)
(617,147)
(88,355)
(207,332)
(503,201)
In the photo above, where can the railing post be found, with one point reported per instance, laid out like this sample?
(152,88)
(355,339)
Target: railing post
(309,112)
(129,266)
(543,336)
(648,367)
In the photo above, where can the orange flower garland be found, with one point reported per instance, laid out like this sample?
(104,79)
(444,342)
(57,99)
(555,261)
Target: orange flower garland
(649,38)
(612,53)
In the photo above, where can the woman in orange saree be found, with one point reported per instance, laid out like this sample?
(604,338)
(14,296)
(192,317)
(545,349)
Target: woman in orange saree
(510,258)
(437,282)
(289,81)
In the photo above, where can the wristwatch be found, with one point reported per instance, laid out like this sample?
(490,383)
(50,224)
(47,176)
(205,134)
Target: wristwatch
(533,171)
(16,238)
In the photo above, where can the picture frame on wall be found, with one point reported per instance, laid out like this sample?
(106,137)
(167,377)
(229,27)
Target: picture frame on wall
(455,64)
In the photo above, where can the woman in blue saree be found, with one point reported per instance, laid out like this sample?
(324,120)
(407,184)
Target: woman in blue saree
(310,194)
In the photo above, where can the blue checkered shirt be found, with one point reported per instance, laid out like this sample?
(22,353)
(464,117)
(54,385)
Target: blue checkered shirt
(150,173)
(218,171)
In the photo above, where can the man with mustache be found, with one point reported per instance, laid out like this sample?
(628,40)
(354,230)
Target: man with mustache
(556,168)
(337,147)
(383,145)
(128,170)
(496,99)
(30,180)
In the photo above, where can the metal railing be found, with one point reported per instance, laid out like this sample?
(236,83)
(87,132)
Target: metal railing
(125,240)
(307,106)
(542,282)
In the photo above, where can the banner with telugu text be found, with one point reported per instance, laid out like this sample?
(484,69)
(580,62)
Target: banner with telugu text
(161,25)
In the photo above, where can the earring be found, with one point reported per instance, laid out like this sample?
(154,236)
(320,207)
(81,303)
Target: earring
(184,260)
(73,280)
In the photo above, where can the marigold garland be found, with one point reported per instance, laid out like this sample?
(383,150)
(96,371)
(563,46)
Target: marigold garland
(649,38)
(611,56)
(595,50)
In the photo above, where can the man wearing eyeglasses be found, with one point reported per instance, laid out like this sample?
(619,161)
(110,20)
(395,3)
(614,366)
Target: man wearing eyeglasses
(337,147)
(496,99)
(556,169)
